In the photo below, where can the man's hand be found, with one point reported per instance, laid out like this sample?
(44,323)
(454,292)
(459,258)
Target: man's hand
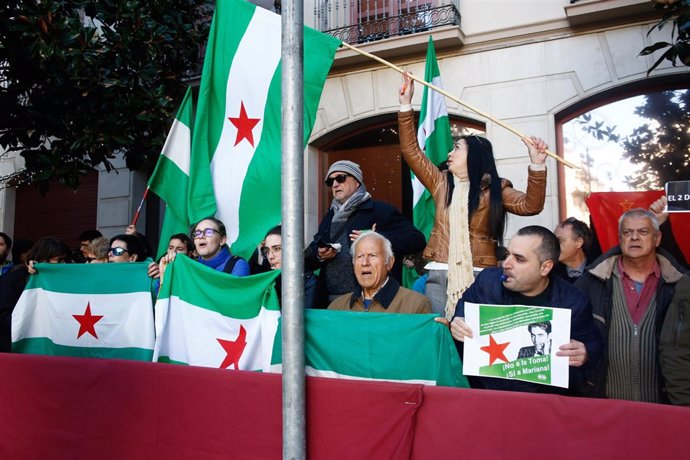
(536,148)
(326,253)
(459,329)
(575,351)
(355,233)
(658,208)
(131,230)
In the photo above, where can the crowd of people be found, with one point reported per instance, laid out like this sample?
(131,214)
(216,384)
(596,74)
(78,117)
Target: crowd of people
(628,339)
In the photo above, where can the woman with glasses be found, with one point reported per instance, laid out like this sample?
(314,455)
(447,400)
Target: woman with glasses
(471,203)
(272,249)
(46,250)
(210,240)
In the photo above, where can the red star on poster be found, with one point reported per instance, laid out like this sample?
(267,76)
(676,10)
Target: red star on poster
(87,322)
(244,126)
(234,349)
(495,350)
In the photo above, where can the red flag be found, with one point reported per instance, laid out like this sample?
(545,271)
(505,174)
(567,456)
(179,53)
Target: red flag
(606,207)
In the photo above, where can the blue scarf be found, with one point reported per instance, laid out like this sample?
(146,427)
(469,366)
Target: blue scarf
(218,261)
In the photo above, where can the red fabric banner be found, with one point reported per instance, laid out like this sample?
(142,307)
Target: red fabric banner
(606,207)
(112,409)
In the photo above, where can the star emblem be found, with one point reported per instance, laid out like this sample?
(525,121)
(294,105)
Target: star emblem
(495,350)
(626,205)
(233,349)
(87,322)
(244,126)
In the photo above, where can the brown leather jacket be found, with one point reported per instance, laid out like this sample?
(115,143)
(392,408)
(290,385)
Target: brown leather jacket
(482,246)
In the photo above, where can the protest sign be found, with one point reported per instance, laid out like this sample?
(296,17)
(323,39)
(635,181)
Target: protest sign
(517,342)
(678,196)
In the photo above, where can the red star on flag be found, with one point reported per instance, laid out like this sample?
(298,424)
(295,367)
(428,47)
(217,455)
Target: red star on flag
(87,322)
(626,205)
(234,349)
(495,350)
(244,126)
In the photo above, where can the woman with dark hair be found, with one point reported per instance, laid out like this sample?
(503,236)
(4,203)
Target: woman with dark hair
(272,250)
(5,250)
(126,248)
(47,250)
(471,203)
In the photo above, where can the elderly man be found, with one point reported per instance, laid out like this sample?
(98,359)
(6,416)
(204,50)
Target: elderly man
(352,212)
(526,279)
(575,238)
(376,290)
(631,288)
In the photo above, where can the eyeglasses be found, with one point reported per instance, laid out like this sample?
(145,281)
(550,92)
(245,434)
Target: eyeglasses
(117,251)
(272,250)
(340,178)
(207,232)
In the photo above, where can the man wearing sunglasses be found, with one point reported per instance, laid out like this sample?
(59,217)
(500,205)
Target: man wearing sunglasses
(353,212)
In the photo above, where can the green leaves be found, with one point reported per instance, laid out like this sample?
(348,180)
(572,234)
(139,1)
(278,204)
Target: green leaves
(678,14)
(75,89)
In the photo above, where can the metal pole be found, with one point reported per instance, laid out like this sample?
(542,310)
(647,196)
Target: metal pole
(294,407)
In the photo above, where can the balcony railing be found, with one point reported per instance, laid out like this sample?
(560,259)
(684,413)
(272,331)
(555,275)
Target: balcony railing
(365,21)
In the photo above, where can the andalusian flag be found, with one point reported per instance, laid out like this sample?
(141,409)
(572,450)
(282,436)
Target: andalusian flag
(170,179)
(435,140)
(88,310)
(237,130)
(378,346)
(208,318)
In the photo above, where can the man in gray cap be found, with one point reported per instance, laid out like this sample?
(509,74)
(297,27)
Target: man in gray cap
(353,212)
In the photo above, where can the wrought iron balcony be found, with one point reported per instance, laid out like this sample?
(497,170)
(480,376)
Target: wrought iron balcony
(364,21)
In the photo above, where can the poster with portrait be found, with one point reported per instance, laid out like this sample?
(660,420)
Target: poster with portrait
(517,342)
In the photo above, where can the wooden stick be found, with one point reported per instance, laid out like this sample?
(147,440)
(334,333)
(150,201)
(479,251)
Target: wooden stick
(462,103)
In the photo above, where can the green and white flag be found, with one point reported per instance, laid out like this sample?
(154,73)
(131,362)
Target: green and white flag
(87,310)
(237,131)
(208,318)
(433,135)
(170,179)
(378,346)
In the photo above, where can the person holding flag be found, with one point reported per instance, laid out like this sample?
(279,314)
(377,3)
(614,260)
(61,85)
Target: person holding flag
(470,199)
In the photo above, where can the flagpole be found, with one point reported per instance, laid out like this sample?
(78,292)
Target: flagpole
(292,188)
(143,199)
(459,101)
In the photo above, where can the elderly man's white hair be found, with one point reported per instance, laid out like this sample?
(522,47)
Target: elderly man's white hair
(387,247)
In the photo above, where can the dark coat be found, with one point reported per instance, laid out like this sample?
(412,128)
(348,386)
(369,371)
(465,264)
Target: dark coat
(597,283)
(488,289)
(404,237)
(11,287)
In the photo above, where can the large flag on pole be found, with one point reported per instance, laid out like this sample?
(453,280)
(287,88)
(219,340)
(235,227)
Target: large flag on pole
(378,346)
(110,316)
(170,179)
(435,140)
(208,318)
(237,129)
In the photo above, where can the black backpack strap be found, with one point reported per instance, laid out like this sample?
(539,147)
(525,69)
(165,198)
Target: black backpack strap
(231,264)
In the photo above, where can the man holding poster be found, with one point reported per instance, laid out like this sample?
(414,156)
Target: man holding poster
(525,279)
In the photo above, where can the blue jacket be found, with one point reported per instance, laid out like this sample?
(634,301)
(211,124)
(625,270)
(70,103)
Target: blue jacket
(488,289)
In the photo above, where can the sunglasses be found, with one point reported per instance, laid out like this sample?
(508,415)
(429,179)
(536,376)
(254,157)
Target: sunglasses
(340,178)
(117,251)
(207,232)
